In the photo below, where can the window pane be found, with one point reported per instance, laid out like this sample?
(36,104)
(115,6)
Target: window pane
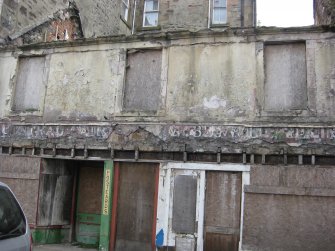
(124,12)
(219,3)
(151,5)
(219,15)
(11,218)
(151,19)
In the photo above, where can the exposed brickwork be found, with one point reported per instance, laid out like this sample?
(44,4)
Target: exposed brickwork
(18,15)
(65,26)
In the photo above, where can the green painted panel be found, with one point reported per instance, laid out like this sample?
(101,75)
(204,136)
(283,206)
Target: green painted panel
(88,229)
(50,236)
(89,218)
(107,196)
(88,234)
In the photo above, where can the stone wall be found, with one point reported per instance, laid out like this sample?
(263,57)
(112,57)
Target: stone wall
(202,80)
(23,15)
(324,12)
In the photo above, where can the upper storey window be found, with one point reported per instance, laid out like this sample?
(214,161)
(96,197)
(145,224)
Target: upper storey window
(125,9)
(150,15)
(219,12)
(29,88)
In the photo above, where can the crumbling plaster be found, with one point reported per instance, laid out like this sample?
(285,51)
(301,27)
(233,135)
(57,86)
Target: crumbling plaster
(212,97)
(18,16)
(214,81)
(208,80)
(8,65)
(324,52)
(82,85)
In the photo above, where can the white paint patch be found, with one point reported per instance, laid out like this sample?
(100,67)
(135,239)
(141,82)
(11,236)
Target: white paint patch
(214,102)
(65,80)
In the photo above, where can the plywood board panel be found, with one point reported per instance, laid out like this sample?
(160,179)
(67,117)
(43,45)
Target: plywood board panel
(135,206)
(285,77)
(184,204)
(143,81)
(90,190)
(222,210)
(55,193)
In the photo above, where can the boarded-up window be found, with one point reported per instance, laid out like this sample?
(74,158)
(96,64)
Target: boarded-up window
(29,86)
(184,204)
(143,81)
(285,77)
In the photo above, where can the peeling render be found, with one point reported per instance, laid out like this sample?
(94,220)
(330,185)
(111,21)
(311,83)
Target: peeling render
(211,107)
(295,140)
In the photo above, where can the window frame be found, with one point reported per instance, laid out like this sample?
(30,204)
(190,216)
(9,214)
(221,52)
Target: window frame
(150,11)
(125,14)
(161,110)
(38,111)
(262,111)
(213,8)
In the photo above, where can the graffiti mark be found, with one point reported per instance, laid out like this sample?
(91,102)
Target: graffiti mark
(241,133)
(54,132)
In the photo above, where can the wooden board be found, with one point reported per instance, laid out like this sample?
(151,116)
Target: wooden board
(135,206)
(222,211)
(90,190)
(55,193)
(89,204)
(184,204)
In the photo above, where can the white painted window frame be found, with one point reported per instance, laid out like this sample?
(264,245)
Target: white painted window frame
(150,11)
(125,4)
(212,8)
(165,196)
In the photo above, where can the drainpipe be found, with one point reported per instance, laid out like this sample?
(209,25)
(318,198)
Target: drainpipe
(209,13)
(242,13)
(1,2)
(134,17)
(255,12)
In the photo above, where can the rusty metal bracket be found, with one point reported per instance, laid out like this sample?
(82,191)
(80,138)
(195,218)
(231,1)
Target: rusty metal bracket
(218,155)
(185,154)
(252,159)
(137,153)
(263,159)
(73,151)
(54,151)
(85,152)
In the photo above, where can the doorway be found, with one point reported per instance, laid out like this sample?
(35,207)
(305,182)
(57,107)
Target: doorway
(222,211)
(88,210)
(134,207)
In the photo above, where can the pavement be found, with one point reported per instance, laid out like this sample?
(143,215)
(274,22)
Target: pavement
(60,247)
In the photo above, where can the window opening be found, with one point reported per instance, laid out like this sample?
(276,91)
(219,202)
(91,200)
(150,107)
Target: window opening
(219,14)
(150,15)
(125,9)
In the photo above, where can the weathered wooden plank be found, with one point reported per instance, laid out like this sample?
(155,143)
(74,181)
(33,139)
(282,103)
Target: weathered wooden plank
(135,206)
(222,211)
(90,190)
(55,194)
